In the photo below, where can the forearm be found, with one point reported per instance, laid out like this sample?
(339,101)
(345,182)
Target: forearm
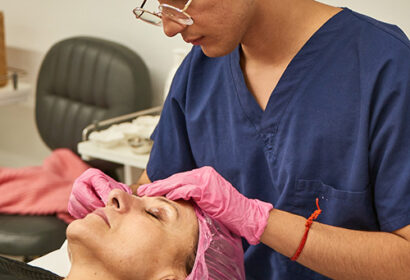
(337,252)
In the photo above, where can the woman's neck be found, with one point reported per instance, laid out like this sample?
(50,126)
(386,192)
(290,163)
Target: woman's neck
(89,273)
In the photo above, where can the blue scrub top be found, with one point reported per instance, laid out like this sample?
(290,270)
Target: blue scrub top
(336,127)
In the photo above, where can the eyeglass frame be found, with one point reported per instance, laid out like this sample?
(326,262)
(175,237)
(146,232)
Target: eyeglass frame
(159,13)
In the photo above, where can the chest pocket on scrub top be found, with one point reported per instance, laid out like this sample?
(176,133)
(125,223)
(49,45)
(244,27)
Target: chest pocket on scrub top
(348,209)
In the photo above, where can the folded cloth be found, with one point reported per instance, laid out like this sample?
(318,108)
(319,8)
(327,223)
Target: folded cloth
(41,190)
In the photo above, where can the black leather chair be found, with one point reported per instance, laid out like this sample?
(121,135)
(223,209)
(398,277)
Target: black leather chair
(81,80)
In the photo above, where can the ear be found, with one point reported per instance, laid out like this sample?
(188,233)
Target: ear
(169,277)
(170,274)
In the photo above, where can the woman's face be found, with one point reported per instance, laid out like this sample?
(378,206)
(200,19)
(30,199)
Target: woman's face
(135,237)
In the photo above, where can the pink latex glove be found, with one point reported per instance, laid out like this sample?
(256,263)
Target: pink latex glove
(218,198)
(90,191)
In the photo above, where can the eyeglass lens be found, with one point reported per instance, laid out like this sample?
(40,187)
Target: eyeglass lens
(180,4)
(168,10)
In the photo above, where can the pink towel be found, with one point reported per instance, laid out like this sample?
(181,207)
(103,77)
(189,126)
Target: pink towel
(41,190)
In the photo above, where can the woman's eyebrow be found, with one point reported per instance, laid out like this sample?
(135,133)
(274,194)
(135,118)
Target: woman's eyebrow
(169,203)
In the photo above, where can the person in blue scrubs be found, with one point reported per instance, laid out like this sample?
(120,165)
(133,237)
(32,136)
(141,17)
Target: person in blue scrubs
(289,101)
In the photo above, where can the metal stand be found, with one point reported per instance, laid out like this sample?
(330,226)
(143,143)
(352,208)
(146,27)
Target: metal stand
(13,75)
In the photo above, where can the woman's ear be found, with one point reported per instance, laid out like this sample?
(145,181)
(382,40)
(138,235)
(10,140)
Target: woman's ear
(170,277)
(170,273)
(173,276)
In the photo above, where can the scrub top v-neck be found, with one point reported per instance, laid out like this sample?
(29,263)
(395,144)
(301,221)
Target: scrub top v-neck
(335,127)
(292,78)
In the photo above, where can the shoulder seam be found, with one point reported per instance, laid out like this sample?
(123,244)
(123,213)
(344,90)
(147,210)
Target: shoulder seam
(405,43)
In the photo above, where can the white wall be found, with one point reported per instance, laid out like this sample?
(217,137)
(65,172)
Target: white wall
(32,26)
(391,11)
(36,25)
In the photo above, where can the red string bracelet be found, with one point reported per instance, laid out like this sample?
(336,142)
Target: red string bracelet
(307,227)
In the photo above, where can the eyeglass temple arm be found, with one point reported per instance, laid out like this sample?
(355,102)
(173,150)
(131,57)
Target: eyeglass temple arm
(186,5)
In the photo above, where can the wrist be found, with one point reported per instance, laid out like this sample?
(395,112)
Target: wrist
(257,221)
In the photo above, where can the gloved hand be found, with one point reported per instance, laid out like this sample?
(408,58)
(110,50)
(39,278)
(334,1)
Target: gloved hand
(90,191)
(218,198)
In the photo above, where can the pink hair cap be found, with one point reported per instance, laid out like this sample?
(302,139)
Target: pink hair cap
(219,253)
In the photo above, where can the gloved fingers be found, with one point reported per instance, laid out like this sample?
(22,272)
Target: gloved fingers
(153,189)
(104,184)
(76,209)
(105,192)
(85,183)
(90,191)
(83,192)
(100,187)
(89,173)
(186,192)
(157,188)
(162,187)
(94,204)
(215,204)
(125,188)
(87,195)
(90,200)
(115,184)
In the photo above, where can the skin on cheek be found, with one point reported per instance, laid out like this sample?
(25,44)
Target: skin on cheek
(146,248)
(224,28)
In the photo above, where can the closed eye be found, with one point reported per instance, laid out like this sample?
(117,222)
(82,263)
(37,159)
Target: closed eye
(153,215)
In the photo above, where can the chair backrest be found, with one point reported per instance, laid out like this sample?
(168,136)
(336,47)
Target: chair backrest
(83,80)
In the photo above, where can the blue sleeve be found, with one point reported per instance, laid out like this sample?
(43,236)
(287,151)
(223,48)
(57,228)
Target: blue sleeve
(171,152)
(390,142)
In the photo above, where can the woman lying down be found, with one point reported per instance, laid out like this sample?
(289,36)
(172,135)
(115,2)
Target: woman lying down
(144,238)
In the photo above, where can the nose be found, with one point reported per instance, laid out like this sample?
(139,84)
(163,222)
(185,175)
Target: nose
(119,200)
(172,28)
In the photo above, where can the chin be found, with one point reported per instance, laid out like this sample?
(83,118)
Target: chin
(73,229)
(81,240)
(216,50)
(78,230)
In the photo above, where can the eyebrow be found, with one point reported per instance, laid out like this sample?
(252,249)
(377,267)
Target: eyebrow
(169,203)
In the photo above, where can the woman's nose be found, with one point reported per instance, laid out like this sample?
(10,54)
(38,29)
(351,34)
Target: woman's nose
(172,28)
(119,200)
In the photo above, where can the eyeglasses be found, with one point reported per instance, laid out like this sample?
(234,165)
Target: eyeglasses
(178,15)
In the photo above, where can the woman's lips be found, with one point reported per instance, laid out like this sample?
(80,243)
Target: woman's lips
(100,212)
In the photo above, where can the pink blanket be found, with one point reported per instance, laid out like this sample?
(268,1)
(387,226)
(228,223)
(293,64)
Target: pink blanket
(41,190)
